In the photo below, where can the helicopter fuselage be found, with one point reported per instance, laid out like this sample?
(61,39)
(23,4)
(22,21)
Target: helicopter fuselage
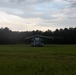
(37,41)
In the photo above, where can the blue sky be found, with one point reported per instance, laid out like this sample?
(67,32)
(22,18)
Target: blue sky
(22,15)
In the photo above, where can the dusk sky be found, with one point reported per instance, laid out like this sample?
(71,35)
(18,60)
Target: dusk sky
(22,15)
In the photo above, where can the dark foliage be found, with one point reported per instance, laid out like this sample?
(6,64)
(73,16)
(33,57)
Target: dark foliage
(67,36)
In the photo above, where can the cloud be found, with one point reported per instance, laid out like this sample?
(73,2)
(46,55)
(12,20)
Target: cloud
(37,14)
(17,23)
(72,3)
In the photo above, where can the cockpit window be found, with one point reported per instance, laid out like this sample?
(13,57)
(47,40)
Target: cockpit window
(37,39)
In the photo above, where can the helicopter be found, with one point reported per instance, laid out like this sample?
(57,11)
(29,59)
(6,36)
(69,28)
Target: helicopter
(37,40)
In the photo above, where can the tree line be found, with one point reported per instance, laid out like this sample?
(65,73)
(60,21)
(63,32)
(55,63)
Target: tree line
(68,36)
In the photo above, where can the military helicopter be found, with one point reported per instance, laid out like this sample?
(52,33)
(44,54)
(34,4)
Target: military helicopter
(37,40)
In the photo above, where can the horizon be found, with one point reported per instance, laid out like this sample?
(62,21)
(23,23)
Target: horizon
(37,29)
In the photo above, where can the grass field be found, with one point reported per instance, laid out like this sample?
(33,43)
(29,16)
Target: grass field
(47,60)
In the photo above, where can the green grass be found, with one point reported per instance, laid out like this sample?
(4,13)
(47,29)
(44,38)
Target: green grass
(47,60)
